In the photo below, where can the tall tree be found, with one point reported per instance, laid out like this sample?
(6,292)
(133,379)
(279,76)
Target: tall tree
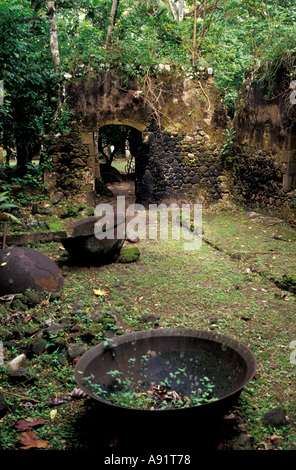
(54,47)
(114,10)
(178,13)
(194,32)
(171,2)
(181,10)
(53,35)
(208,9)
(26,72)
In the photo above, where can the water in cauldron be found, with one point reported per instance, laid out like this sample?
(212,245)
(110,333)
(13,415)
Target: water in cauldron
(227,363)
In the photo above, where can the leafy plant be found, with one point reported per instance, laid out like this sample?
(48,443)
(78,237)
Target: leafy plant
(28,78)
(131,392)
(73,211)
(5,206)
(226,149)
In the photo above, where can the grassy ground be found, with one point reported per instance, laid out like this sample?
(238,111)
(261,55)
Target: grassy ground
(231,285)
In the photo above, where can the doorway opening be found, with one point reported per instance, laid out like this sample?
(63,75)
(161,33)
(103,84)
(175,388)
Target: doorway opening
(118,149)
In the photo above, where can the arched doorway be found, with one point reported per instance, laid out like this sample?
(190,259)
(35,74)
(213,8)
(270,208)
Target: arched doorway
(120,155)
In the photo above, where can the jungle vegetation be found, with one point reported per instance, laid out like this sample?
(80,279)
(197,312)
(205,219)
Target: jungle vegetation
(45,42)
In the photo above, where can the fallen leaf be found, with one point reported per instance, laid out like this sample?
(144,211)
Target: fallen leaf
(57,401)
(275,440)
(25,424)
(53,414)
(28,318)
(100,292)
(29,441)
(77,393)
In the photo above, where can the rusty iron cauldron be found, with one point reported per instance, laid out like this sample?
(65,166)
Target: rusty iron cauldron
(23,268)
(228,363)
(85,247)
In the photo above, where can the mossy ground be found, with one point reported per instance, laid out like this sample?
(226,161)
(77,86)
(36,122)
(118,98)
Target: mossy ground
(208,289)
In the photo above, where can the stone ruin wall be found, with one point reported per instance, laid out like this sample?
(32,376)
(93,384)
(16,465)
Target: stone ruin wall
(179,154)
(180,166)
(263,172)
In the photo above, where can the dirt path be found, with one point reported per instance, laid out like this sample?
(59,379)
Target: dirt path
(125,188)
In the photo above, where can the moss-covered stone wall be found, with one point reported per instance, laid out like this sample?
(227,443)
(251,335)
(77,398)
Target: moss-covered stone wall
(179,166)
(73,165)
(263,168)
(181,121)
(257,179)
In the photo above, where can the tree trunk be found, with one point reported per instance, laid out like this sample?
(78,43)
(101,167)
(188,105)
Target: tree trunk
(53,35)
(26,148)
(194,34)
(173,9)
(208,12)
(181,10)
(113,14)
(54,46)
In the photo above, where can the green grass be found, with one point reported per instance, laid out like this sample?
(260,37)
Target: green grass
(206,289)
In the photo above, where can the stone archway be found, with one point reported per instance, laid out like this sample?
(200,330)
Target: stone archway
(178,154)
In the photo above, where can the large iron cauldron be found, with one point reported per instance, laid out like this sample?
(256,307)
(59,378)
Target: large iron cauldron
(86,248)
(23,268)
(228,363)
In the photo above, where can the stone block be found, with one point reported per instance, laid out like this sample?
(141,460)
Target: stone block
(287,182)
(78,162)
(87,138)
(21,239)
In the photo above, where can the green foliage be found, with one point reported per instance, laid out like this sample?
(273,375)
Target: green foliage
(142,38)
(226,149)
(128,390)
(240,36)
(26,71)
(246,35)
(33,176)
(72,210)
(6,205)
